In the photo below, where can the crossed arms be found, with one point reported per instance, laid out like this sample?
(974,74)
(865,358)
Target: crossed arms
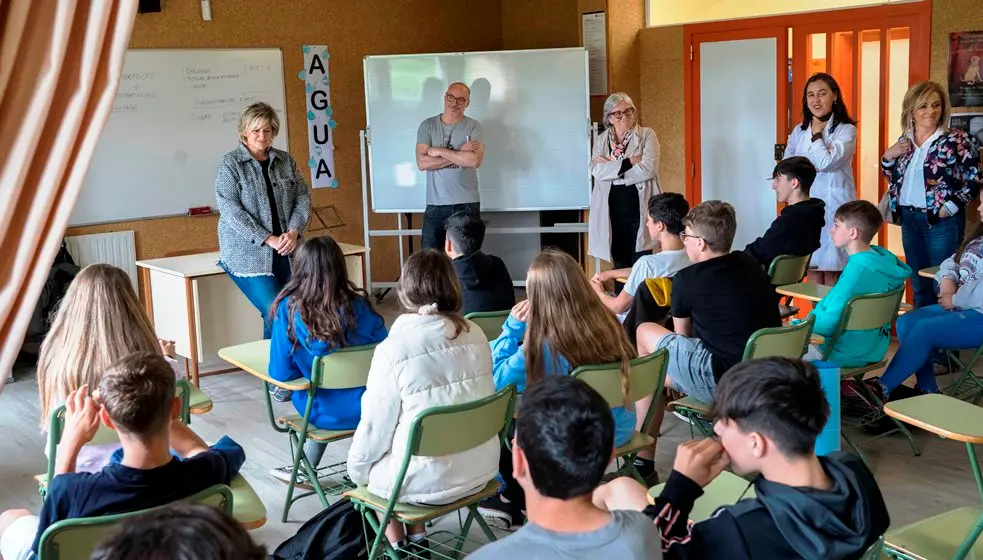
(429,158)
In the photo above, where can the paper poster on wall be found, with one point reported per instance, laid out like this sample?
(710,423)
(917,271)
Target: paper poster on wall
(320,124)
(595,41)
(970,123)
(966,68)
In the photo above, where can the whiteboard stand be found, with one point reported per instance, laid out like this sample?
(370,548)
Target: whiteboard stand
(399,233)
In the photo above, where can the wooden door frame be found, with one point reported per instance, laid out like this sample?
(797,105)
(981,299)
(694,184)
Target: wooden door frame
(915,15)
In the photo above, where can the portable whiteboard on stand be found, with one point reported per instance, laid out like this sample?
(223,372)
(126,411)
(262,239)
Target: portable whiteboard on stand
(534,111)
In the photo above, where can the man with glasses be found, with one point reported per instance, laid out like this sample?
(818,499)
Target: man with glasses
(450,150)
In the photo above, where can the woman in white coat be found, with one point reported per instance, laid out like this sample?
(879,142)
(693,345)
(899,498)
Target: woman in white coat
(432,357)
(625,166)
(828,137)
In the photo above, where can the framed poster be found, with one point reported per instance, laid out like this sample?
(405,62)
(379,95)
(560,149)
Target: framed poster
(966,68)
(971,123)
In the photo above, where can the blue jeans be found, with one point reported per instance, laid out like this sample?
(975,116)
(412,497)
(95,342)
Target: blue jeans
(924,330)
(262,290)
(928,245)
(434,231)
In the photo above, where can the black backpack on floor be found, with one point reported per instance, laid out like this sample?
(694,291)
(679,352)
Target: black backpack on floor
(333,534)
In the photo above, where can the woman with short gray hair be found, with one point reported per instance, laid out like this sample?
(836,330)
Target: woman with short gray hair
(625,166)
(264,205)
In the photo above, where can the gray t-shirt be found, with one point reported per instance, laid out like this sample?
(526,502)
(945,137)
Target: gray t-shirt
(451,185)
(630,535)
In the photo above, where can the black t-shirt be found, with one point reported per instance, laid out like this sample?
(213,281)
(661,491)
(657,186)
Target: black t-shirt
(727,298)
(277,229)
(485,283)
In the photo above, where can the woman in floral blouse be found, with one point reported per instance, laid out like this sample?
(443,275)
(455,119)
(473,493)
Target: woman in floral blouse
(934,173)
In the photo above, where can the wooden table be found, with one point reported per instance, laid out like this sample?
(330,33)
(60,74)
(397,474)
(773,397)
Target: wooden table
(804,290)
(928,272)
(192,301)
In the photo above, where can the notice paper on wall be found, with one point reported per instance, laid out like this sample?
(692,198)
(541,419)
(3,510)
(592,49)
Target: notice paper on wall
(320,124)
(595,41)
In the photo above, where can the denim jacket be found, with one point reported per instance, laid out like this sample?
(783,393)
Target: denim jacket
(952,173)
(245,220)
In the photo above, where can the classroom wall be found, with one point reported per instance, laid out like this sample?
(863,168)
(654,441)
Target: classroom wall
(540,24)
(351,30)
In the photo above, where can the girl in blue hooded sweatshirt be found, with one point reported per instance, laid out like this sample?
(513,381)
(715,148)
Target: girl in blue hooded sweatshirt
(318,312)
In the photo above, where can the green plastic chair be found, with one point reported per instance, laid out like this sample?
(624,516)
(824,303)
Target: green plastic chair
(248,509)
(436,432)
(76,539)
(863,313)
(490,322)
(968,382)
(346,368)
(784,270)
(647,377)
(953,534)
(791,341)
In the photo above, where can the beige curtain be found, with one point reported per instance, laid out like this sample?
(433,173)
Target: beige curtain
(60,62)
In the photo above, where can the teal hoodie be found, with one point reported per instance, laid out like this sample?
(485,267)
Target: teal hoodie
(877,270)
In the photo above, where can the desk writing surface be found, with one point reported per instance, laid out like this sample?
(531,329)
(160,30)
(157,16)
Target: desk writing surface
(804,290)
(206,264)
(928,272)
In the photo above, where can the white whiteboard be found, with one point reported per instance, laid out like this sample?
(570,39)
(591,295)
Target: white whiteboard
(176,114)
(534,111)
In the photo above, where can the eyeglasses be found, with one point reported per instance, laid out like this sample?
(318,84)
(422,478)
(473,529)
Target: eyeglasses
(683,235)
(629,112)
(455,100)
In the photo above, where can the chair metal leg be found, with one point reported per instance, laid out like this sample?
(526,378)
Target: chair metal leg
(296,451)
(880,405)
(856,450)
(473,509)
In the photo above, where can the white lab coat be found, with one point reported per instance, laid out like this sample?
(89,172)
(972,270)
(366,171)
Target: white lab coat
(834,184)
(645,177)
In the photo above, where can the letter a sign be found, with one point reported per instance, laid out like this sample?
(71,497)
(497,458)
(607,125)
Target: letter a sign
(320,124)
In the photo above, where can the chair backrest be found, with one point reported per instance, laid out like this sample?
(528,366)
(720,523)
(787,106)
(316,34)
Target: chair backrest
(344,368)
(445,430)
(490,322)
(646,376)
(875,551)
(56,426)
(73,539)
(866,312)
(788,269)
(791,341)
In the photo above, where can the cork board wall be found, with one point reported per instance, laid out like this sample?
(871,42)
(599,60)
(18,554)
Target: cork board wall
(661,87)
(351,30)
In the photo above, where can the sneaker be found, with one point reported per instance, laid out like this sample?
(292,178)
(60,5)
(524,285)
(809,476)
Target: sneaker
(499,514)
(682,417)
(415,549)
(280,394)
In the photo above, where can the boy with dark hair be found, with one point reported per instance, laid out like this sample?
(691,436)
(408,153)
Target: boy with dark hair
(485,281)
(768,414)
(797,228)
(181,532)
(136,398)
(869,269)
(664,223)
(564,434)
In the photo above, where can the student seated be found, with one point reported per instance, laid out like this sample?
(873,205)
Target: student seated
(136,398)
(181,532)
(560,327)
(768,414)
(485,281)
(664,224)
(562,446)
(797,228)
(718,302)
(432,357)
(316,313)
(956,322)
(869,269)
(99,321)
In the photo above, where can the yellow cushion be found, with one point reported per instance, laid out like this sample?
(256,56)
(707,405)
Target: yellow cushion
(296,423)
(661,290)
(408,513)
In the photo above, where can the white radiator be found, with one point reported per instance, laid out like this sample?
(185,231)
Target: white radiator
(117,248)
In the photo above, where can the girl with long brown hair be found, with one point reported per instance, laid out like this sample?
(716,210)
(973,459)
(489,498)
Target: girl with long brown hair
(99,321)
(563,325)
(316,313)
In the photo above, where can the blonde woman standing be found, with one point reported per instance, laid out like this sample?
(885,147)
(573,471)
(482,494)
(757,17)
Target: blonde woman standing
(99,321)
(933,173)
(264,205)
(625,167)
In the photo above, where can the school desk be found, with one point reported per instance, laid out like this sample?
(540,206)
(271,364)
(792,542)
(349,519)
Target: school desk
(804,290)
(193,302)
(725,490)
(928,272)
